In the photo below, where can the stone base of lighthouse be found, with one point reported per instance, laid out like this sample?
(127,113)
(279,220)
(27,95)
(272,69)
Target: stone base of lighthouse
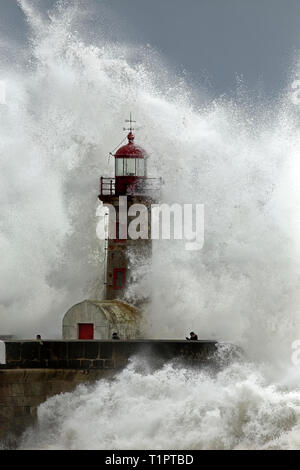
(101,318)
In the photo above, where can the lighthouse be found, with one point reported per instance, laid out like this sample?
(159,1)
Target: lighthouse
(130,187)
(126,194)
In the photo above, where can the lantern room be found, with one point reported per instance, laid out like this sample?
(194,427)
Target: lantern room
(130,177)
(130,167)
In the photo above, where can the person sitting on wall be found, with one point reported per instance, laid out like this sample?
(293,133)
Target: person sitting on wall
(115,336)
(193,337)
(39,338)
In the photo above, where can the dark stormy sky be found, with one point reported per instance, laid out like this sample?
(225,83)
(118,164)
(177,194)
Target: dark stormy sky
(213,40)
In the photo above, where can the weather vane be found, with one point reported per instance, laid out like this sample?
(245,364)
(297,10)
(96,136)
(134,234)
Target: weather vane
(131,121)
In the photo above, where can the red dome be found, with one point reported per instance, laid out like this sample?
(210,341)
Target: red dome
(130,150)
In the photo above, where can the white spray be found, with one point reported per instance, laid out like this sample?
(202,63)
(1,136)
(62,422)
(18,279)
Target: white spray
(65,105)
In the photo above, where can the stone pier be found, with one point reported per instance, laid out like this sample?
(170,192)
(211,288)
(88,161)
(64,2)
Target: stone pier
(37,370)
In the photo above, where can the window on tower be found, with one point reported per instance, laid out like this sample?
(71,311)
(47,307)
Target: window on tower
(119,278)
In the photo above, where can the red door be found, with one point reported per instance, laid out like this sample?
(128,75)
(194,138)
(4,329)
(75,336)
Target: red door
(85,331)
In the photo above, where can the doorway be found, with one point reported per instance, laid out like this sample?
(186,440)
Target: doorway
(85,331)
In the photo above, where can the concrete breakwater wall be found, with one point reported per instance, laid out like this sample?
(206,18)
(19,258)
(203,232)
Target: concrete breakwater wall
(35,371)
(23,390)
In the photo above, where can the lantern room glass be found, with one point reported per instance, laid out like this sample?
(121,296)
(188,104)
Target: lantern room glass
(119,166)
(140,167)
(130,167)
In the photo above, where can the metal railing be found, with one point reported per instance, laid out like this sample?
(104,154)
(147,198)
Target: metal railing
(107,186)
(140,187)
